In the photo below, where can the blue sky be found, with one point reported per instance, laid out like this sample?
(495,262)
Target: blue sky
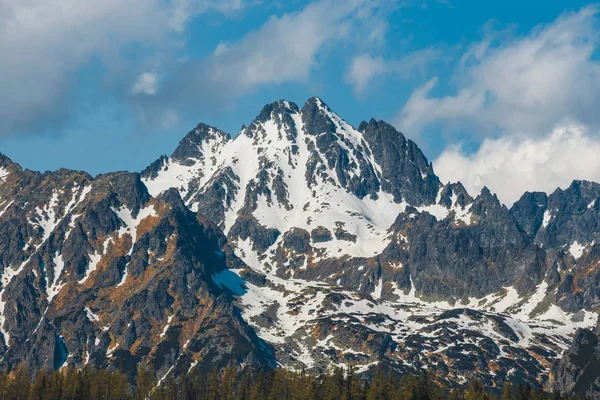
(492,91)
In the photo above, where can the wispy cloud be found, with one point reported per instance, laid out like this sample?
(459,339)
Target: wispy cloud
(365,68)
(145,83)
(284,49)
(45,43)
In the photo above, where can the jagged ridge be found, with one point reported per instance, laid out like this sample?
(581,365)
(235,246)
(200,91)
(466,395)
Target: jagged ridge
(322,212)
(337,244)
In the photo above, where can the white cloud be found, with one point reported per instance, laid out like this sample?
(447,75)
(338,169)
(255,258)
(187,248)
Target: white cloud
(184,10)
(510,166)
(421,109)
(146,83)
(282,49)
(286,48)
(520,88)
(364,68)
(526,84)
(44,43)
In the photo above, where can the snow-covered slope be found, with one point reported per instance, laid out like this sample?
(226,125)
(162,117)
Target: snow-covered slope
(302,241)
(355,252)
(288,175)
(95,272)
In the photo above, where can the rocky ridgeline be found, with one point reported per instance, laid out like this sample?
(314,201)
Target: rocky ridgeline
(302,241)
(578,370)
(97,272)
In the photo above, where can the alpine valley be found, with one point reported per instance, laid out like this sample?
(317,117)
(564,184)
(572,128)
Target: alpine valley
(302,242)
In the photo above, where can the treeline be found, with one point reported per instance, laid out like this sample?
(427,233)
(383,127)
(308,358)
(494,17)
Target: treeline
(230,384)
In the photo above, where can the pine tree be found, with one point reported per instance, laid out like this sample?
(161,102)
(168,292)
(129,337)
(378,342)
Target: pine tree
(214,386)
(231,384)
(280,389)
(353,389)
(475,391)
(259,389)
(243,386)
(455,395)
(145,382)
(304,386)
(198,383)
(21,385)
(228,383)
(332,385)
(556,396)
(55,383)
(377,389)
(524,392)
(508,392)
(38,389)
(4,386)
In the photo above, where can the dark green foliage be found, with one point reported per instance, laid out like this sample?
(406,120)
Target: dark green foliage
(233,384)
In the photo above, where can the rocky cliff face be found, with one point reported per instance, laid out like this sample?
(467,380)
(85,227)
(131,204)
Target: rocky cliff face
(303,241)
(97,272)
(578,370)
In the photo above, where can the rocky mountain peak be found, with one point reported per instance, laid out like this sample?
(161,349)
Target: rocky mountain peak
(6,164)
(364,124)
(127,186)
(302,241)
(529,211)
(201,139)
(96,272)
(486,196)
(406,172)
(279,115)
(318,118)
(315,103)
(582,186)
(455,194)
(291,165)
(277,107)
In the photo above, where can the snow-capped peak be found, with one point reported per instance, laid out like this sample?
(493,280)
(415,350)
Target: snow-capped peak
(303,168)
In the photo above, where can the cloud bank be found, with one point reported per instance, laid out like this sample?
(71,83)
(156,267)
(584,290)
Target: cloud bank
(522,85)
(539,96)
(510,166)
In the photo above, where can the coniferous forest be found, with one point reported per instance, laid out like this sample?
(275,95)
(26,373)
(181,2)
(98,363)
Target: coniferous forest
(231,384)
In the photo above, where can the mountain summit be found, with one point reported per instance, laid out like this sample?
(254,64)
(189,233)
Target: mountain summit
(300,168)
(302,241)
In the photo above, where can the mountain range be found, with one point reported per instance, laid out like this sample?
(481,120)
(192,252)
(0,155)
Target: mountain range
(302,242)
